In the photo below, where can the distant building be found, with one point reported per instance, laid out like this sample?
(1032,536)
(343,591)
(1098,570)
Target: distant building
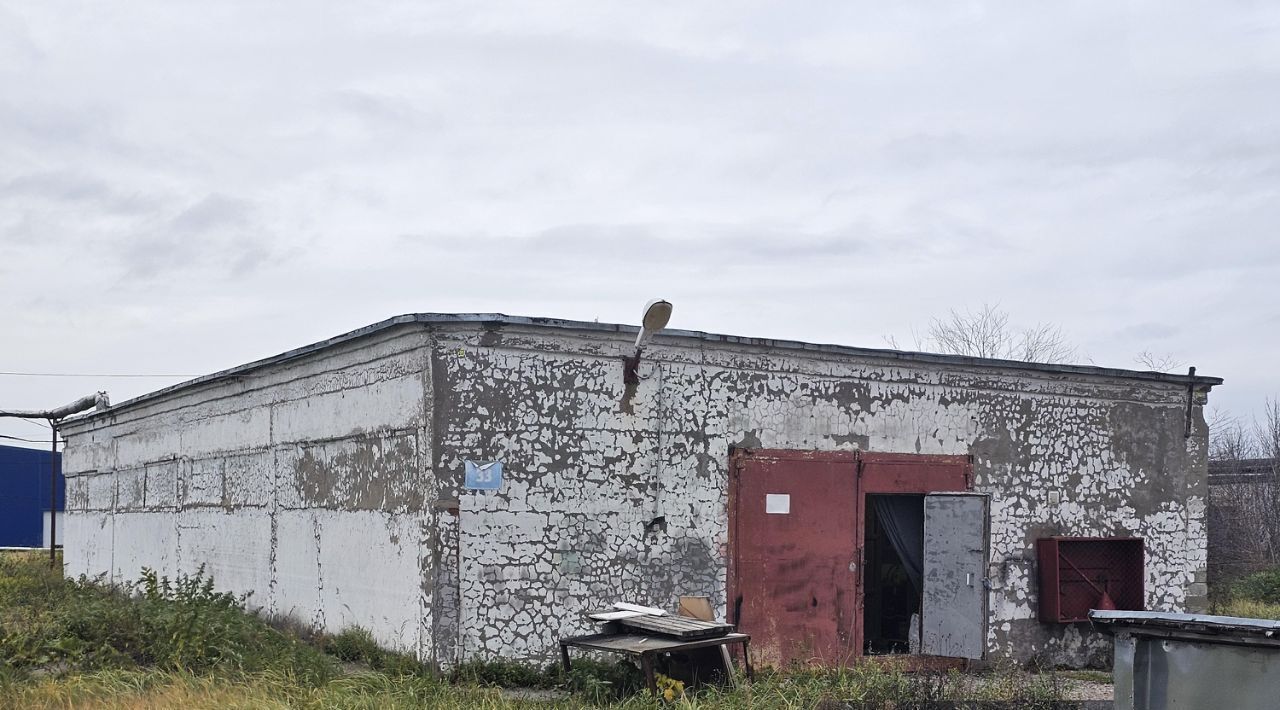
(1243,515)
(24,496)
(468,485)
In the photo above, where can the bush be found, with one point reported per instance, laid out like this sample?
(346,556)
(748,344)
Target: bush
(600,682)
(1258,587)
(505,674)
(352,646)
(182,623)
(356,645)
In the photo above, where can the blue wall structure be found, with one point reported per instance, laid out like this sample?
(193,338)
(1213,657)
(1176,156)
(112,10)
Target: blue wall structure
(24,495)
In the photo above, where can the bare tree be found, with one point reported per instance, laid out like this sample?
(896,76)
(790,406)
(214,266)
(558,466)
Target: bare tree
(1267,430)
(1229,439)
(987,333)
(1244,494)
(1158,363)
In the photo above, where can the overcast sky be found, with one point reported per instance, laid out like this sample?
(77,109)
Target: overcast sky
(185,187)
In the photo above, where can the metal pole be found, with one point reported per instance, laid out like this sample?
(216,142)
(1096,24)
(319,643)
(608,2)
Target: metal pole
(97,401)
(53,497)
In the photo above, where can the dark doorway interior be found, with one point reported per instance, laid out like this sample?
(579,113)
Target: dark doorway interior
(894,550)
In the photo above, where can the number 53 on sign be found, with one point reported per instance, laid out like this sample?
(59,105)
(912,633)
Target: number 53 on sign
(485,476)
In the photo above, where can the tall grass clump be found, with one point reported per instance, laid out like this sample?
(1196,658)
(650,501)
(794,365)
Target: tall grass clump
(49,624)
(1255,596)
(1249,609)
(356,645)
(592,681)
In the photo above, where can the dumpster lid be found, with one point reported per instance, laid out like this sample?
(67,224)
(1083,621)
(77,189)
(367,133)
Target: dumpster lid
(1229,629)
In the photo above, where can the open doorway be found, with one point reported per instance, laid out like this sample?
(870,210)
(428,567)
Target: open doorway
(894,557)
(797,519)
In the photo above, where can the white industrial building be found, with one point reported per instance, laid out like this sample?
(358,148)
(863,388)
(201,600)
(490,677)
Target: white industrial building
(468,485)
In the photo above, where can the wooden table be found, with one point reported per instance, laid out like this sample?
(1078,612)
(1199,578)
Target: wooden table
(645,647)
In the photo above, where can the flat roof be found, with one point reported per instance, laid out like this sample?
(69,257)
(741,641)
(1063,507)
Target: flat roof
(429,319)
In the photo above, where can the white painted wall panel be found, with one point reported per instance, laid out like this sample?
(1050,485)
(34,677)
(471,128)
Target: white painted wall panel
(162,485)
(154,443)
(86,543)
(101,491)
(249,478)
(93,451)
(236,431)
(202,484)
(370,569)
(296,593)
(390,404)
(144,539)
(234,546)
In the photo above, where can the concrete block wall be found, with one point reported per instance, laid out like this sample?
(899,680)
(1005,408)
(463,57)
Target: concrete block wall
(301,483)
(331,485)
(611,494)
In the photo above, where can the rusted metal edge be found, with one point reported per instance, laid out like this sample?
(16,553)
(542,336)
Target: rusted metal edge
(1189,627)
(439,319)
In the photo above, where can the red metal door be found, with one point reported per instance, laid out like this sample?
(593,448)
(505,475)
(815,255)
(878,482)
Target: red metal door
(793,521)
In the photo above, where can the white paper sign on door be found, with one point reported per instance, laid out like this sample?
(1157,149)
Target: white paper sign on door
(777,503)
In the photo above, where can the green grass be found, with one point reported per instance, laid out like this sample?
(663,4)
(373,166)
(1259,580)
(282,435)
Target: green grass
(1255,596)
(1258,587)
(180,643)
(48,623)
(356,645)
(1249,609)
(140,688)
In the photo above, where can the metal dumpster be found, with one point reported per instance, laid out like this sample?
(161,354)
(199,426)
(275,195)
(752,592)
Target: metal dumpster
(1193,661)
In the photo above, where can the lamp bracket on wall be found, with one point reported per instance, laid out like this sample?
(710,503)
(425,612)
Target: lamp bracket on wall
(657,313)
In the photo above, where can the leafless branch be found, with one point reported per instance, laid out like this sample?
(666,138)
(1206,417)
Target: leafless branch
(1158,363)
(1244,503)
(987,333)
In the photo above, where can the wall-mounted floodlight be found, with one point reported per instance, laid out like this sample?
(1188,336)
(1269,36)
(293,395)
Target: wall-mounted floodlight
(657,313)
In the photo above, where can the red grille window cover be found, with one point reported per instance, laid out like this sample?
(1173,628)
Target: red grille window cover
(1077,573)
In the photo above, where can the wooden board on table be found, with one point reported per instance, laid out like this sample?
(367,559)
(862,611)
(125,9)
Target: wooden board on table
(677,626)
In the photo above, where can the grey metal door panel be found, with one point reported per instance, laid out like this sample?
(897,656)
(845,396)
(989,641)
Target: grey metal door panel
(954,604)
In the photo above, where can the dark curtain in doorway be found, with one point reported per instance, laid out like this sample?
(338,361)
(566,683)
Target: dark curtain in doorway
(902,518)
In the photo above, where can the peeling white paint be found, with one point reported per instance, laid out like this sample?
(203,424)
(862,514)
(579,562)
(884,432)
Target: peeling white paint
(324,485)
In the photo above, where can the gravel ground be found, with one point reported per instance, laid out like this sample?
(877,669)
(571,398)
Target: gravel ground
(1089,690)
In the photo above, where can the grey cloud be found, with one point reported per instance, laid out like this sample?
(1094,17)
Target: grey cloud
(383,109)
(854,167)
(214,212)
(62,186)
(217,234)
(174,254)
(723,244)
(1148,331)
(73,187)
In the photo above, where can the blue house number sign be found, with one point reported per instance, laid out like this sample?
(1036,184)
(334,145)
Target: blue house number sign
(483,476)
